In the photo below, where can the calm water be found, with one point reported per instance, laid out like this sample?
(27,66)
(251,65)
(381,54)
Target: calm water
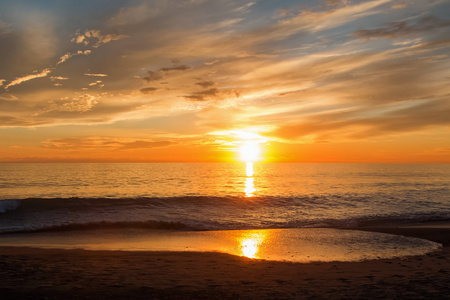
(36,197)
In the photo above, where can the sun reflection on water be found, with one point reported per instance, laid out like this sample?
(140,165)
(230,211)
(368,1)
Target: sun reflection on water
(250,244)
(249,187)
(249,169)
(249,181)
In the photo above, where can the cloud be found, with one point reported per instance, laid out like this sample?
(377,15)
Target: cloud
(205,84)
(398,6)
(141,144)
(355,125)
(336,3)
(79,39)
(8,97)
(80,103)
(153,76)
(96,37)
(95,75)
(177,68)
(403,28)
(53,78)
(369,83)
(212,62)
(203,95)
(148,90)
(108,143)
(36,74)
(313,22)
(98,82)
(258,41)
(66,56)
(12,121)
(244,7)
(161,72)
(1,81)
(134,15)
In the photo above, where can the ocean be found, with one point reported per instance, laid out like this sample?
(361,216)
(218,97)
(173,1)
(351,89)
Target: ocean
(219,196)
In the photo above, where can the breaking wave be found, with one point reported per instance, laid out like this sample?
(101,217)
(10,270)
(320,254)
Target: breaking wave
(210,213)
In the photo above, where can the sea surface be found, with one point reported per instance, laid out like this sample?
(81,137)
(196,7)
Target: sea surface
(215,196)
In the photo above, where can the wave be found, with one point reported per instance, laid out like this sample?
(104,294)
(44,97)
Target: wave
(202,226)
(212,213)
(8,205)
(77,204)
(107,225)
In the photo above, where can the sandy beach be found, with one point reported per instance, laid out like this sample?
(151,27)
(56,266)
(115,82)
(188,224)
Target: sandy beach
(29,273)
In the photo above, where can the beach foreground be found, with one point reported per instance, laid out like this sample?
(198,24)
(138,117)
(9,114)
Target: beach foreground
(29,273)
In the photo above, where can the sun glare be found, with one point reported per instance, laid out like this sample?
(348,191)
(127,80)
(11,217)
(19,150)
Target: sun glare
(250,151)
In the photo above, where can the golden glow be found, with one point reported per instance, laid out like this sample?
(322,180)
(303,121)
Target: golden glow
(246,142)
(250,151)
(199,106)
(250,244)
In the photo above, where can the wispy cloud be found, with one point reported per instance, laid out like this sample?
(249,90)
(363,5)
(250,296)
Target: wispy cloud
(135,14)
(404,28)
(8,97)
(176,68)
(153,76)
(95,37)
(35,75)
(148,90)
(205,84)
(203,95)
(66,56)
(95,75)
(244,7)
(53,78)
(398,6)
(80,103)
(354,125)
(99,142)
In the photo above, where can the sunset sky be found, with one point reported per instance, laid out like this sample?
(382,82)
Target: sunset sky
(192,80)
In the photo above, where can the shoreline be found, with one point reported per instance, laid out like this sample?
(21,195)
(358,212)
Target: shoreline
(435,231)
(74,274)
(439,235)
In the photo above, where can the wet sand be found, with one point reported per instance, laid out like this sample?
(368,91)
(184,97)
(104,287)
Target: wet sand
(28,273)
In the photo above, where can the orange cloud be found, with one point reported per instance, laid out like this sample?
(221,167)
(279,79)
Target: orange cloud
(35,75)
(94,35)
(102,143)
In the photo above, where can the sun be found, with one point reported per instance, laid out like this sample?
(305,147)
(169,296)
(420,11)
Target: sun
(250,151)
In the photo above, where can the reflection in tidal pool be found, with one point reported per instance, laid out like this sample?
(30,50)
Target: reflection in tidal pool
(251,242)
(297,245)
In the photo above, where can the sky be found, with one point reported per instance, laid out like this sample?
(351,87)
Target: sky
(194,80)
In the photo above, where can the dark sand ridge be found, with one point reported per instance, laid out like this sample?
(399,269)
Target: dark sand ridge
(28,273)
